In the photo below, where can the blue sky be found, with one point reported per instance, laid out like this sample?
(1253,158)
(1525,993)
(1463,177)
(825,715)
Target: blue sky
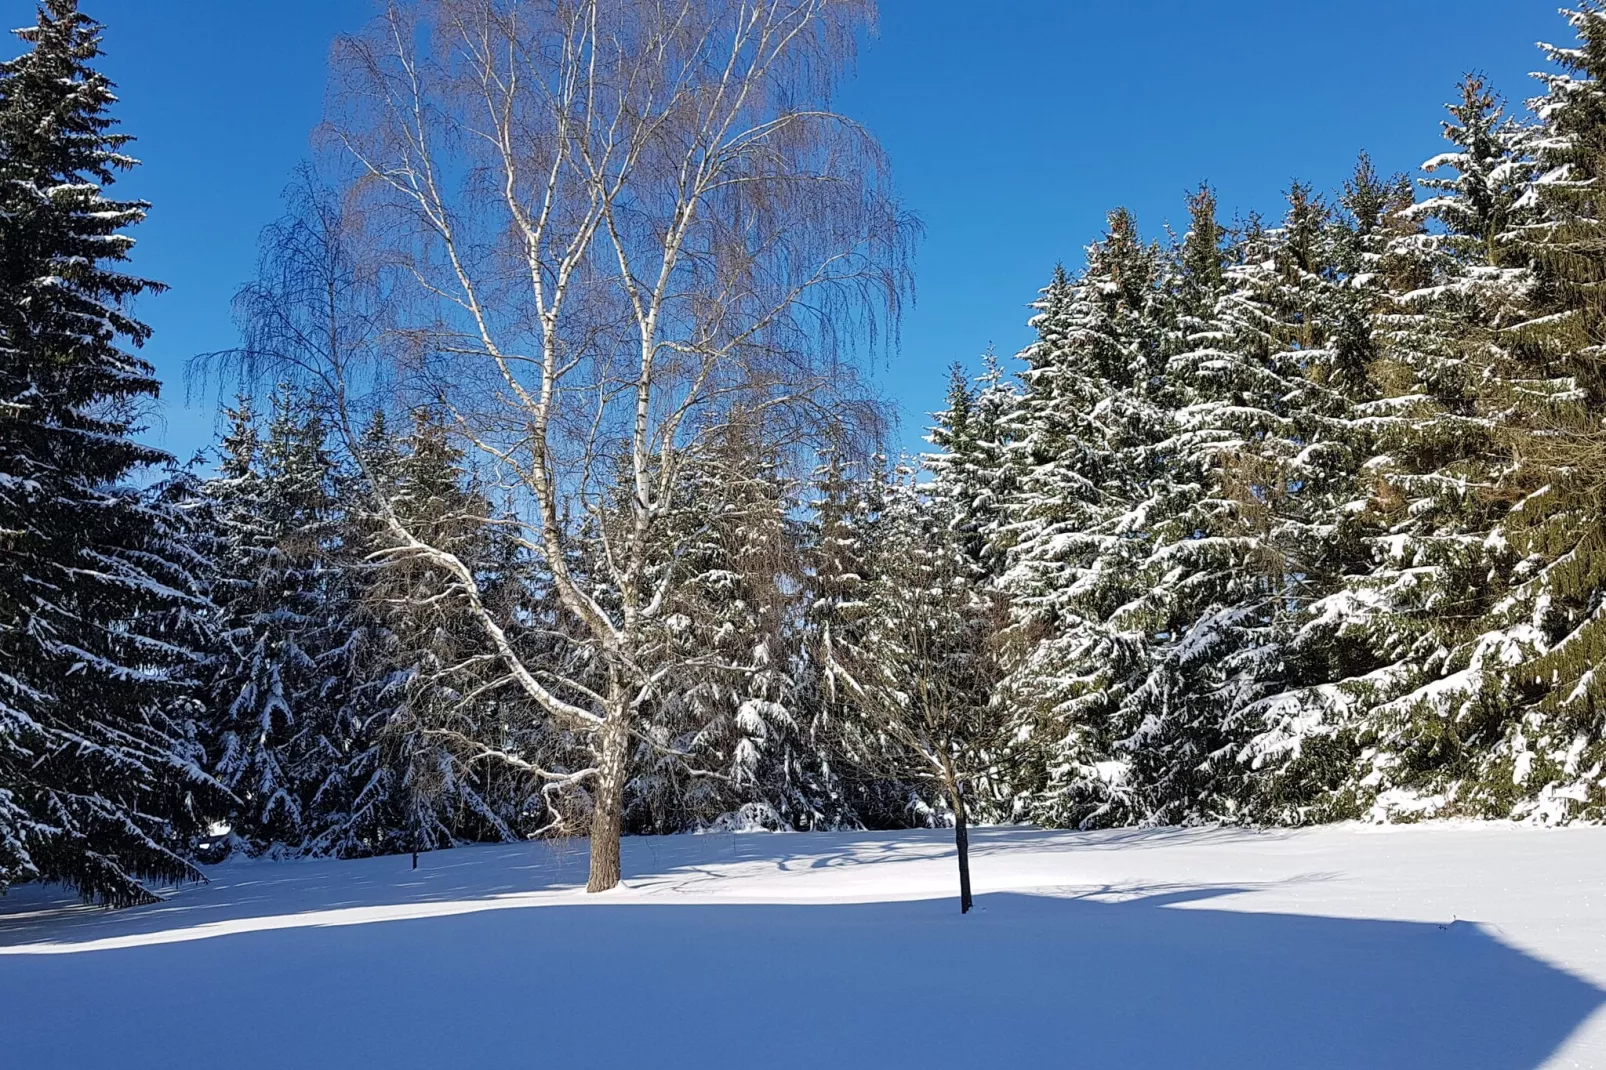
(1013,126)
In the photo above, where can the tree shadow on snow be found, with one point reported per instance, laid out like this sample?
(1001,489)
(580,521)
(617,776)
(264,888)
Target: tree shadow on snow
(1157,981)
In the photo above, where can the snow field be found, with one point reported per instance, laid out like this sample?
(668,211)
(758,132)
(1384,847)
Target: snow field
(1473,947)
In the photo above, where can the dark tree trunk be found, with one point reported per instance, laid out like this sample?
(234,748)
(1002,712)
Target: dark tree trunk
(962,841)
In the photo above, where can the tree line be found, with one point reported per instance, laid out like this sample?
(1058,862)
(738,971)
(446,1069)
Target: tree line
(1300,519)
(551,503)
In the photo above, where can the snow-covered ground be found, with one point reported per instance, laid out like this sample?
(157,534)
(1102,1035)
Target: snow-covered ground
(1465,947)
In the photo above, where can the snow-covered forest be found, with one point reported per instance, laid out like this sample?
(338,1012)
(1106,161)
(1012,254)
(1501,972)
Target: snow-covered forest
(551,500)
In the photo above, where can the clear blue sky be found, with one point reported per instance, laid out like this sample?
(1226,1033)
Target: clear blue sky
(1013,126)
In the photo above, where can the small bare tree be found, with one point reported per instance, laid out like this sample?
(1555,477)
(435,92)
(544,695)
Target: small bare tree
(620,221)
(922,683)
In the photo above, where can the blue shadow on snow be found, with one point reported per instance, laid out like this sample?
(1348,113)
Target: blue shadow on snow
(1026,981)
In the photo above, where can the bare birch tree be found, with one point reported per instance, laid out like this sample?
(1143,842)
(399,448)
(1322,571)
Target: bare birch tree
(620,220)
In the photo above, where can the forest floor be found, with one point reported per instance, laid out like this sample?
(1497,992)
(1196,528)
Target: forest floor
(1473,947)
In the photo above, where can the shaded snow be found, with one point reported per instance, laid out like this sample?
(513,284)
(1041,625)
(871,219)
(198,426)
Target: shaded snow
(1475,947)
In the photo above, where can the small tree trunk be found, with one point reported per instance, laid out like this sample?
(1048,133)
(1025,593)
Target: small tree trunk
(608,816)
(962,841)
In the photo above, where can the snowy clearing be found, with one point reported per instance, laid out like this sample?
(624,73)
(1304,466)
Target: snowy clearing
(1467,947)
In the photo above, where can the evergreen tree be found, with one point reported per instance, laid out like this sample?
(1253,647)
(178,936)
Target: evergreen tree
(840,546)
(282,694)
(1549,388)
(443,742)
(1437,680)
(1205,600)
(969,466)
(727,734)
(101,605)
(1084,442)
(1297,316)
(972,482)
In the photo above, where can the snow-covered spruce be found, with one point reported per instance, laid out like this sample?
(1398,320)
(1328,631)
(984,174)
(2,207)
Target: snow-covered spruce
(102,598)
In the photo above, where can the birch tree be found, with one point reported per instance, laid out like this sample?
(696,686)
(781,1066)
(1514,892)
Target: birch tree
(619,220)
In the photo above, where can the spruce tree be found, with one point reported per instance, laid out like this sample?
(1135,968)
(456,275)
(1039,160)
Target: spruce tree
(1083,443)
(728,732)
(441,744)
(839,548)
(1438,685)
(1295,343)
(1336,262)
(969,466)
(100,601)
(971,484)
(282,698)
(1549,388)
(1205,598)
